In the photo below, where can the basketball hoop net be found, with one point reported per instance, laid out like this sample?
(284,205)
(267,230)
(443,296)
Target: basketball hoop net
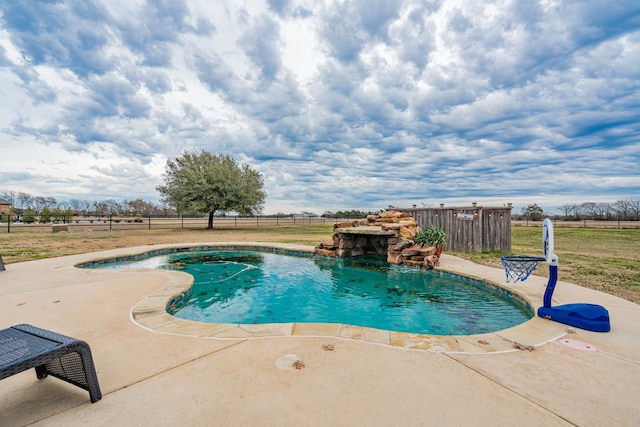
(519,267)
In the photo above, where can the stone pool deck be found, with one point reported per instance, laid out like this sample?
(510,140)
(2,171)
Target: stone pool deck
(156,370)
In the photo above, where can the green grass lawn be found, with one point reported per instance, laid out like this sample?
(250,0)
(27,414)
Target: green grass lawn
(604,259)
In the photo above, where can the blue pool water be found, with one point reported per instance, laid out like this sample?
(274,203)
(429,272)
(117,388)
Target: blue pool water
(247,286)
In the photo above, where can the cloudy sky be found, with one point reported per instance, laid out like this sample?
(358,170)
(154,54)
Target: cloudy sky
(339,104)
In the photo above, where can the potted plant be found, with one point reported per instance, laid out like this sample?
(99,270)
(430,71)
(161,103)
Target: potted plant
(432,236)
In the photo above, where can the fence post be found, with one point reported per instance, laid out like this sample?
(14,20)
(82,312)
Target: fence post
(1,264)
(149,221)
(110,221)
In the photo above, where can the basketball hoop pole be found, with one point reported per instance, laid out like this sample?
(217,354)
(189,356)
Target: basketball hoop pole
(547,242)
(551,285)
(552,260)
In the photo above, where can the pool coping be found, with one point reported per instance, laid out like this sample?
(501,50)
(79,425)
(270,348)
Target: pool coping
(150,313)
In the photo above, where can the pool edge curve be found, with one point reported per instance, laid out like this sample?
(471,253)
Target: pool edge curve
(150,313)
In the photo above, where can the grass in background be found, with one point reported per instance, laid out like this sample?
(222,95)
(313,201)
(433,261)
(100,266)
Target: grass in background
(32,245)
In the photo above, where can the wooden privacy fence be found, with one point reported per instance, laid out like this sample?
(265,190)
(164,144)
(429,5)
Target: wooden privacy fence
(470,229)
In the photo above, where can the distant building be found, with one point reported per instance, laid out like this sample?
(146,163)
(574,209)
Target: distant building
(5,206)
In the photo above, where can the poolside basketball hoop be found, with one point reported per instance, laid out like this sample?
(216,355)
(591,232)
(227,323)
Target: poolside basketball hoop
(519,267)
(585,316)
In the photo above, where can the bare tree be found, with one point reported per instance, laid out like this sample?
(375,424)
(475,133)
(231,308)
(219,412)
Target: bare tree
(82,207)
(100,208)
(570,210)
(589,209)
(63,205)
(24,200)
(39,203)
(635,208)
(606,211)
(113,207)
(595,210)
(623,209)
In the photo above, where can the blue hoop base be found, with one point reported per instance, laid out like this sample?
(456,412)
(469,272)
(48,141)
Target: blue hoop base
(590,317)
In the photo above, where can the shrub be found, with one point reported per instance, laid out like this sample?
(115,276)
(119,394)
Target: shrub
(45,216)
(432,236)
(29,217)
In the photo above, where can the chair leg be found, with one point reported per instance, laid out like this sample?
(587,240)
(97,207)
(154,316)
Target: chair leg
(41,372)
(90,373)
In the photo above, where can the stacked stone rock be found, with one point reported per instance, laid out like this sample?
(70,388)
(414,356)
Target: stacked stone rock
(390,232)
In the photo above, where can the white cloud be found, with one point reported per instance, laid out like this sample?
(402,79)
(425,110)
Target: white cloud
(352,105)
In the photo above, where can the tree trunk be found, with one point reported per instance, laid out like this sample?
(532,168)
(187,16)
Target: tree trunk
(210,224)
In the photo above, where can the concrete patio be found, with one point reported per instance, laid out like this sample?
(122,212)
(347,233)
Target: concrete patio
(157,370)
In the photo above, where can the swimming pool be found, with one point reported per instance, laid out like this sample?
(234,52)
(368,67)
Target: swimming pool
(257,286)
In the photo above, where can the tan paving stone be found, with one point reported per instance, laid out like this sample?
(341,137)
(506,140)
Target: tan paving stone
(153,321)
(315,329)
(534,332)
(234,331)
(365,334)
(269,329)
(483,343)
(424,342)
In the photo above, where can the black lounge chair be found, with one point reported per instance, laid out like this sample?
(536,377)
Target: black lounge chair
(23,347)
